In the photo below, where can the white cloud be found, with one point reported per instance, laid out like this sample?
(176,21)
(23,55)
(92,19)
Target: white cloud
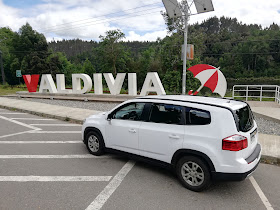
(49,39)
(247,11)
(10,17)
(62,18)
(145,21)
(132,36)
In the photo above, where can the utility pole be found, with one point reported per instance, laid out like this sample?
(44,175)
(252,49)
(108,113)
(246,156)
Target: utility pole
(2,69)
(174,10)
(186,12)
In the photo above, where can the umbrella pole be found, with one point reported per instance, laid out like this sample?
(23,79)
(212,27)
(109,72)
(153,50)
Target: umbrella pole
(197,91)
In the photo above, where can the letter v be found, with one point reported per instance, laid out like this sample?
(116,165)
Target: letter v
(31,82)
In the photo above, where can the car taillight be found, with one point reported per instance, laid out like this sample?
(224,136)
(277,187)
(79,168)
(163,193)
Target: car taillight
(235,143)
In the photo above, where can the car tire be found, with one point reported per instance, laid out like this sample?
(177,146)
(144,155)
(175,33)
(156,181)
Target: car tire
(95,143)
(193,173)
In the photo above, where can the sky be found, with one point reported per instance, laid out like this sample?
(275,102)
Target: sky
(139,19)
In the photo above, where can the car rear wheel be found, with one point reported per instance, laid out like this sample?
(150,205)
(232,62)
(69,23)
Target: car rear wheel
(95,143)
(193,173)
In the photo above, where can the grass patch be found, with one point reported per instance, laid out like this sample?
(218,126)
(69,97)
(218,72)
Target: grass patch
(8,90)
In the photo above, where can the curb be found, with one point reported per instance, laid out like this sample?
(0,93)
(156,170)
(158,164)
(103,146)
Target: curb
(270,160)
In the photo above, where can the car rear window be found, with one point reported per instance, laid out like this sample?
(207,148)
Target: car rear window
(197,117)
(245,118)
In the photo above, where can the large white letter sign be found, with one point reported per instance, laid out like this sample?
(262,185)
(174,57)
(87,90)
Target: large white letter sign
(114,85)
(152,84)
(98,87)
(47,84)
(132,84)
(76,83)
(60,83)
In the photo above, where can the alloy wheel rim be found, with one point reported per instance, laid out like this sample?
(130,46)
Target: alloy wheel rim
(192,173)
(93,143)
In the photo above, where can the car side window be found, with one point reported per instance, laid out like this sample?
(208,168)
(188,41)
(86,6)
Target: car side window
(166,113)
(132,111)
(197,117)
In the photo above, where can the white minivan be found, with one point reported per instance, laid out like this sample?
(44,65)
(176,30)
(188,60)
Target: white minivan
(201,138)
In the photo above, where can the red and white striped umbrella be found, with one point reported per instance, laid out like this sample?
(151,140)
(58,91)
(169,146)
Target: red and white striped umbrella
(210,77)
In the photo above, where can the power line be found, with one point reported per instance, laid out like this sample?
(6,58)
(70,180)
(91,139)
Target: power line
(242,41)
(103,15)
(90,19)
(245,53)
(106,20)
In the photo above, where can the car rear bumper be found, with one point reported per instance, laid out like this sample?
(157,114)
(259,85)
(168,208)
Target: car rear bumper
(219,176)
(254,158)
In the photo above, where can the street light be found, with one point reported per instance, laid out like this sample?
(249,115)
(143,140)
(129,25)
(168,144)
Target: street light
(173,9)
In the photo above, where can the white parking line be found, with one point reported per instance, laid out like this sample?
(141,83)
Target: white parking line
(19,123)
(55,132)
(12,113)
(70,125)
(49,156)
(30,119)
(260,193)
(55,178)
(14,134)
(101,199)
(41,142)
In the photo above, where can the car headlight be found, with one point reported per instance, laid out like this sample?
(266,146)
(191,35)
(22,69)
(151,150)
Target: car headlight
(84,121)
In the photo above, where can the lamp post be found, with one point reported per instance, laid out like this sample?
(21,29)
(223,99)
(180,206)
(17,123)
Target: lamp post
(185,49)
(174,10)
(2,69)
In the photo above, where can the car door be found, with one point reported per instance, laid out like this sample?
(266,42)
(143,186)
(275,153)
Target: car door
(163,134)
(122,131)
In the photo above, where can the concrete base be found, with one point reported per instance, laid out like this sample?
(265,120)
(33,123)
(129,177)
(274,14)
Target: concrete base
(270,145)
(78,97)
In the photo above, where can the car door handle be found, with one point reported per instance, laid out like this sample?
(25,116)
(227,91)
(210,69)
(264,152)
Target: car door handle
(132,130)
(172,136)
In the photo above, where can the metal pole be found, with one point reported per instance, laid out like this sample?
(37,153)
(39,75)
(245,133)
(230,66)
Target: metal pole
(2,69)
(185,51)
(247,93)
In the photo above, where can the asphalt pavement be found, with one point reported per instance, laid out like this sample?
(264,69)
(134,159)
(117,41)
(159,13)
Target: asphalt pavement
(45,165)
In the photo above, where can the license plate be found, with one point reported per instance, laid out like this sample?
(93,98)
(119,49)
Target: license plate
(253,135)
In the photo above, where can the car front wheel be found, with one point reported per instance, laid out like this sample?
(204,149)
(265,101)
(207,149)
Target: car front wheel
(193,173)
(95,143)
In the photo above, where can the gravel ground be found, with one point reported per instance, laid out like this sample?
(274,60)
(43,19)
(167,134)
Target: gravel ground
(268,126)
(264,126)
(98,106)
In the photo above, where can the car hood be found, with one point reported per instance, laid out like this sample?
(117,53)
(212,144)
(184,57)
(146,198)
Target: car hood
(98,116)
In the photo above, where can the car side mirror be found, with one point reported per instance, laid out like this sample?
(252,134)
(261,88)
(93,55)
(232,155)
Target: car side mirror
(109,117)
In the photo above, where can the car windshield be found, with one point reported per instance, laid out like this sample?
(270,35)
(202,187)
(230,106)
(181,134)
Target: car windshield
(245,118)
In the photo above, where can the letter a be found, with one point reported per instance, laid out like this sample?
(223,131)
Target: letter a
(152,84)
(47,84)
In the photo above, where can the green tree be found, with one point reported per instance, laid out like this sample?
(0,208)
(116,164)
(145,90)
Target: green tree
(88,68)
(111,48)
(6,38)
(31,49)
